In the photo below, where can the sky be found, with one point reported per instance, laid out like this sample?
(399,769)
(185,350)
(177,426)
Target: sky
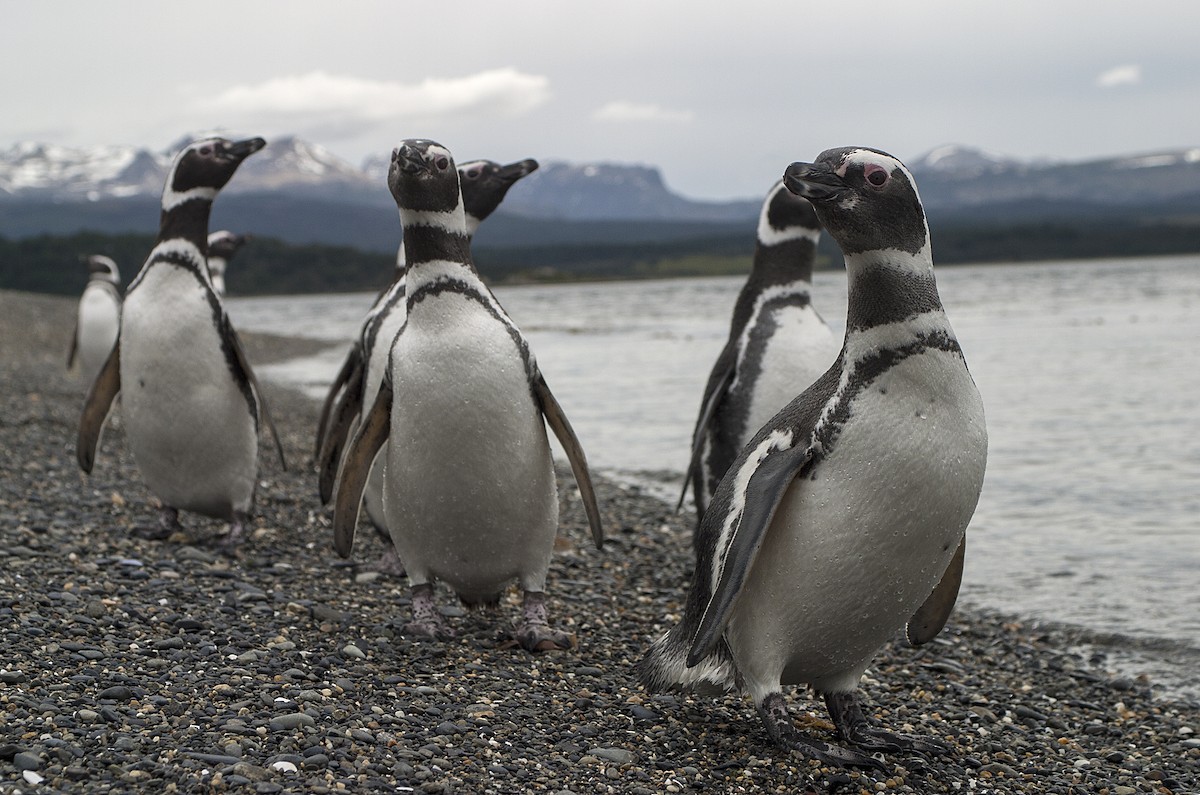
(720,96)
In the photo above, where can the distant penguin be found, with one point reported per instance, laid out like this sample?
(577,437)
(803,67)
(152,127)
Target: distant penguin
(221,248)
(98,320)
(777,344)
(190,402)
(484,185)
(469,488)
(845,516)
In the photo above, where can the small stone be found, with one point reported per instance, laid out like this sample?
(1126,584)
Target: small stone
(32,777)
(87,716)
(1122,789)
(353,652)
(292,720)
(27,760)
(116,693)
(618,755)
(285,767)
(447,728)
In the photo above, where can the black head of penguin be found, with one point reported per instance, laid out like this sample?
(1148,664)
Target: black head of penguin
(485,183)
(225,244)
(210,163)
(102,268)
(786,210)
(422,177)
(865,198)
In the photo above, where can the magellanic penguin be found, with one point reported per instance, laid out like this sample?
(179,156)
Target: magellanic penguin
(845,516)
(221,248)
(469,488)
(189,398)
(98,320)
(778,343)
(484,185)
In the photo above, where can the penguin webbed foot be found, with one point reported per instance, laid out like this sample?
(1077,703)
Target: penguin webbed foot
(853,727)
(388,563)
(775,716)
(535,632)
(230,544)
(168,525)
(427,619)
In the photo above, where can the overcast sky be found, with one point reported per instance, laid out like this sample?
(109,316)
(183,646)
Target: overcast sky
(721,96)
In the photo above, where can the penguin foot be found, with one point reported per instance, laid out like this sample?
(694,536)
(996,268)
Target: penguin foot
(230,544)
(535,632)
(168,525)
(427,620)
(388,563)
(854,727)
(774,713)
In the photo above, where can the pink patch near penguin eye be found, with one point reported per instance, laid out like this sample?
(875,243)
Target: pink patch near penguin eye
(876,175)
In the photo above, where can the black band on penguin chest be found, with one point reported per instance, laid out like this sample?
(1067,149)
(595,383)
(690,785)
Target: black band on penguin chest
(865,371)
(220,320)
(472,293)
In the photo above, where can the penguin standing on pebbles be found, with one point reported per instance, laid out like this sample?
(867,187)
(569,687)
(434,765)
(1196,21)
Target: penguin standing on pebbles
(845,515)
(98,320)
(469,489)
(221,248)
(777,345)
(190,401)
(484,185)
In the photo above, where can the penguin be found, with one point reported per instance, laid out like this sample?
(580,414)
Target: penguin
(778,343)
(460,418)
(484,185)
(98,320)
(190,401)
(845,516)
(221,248)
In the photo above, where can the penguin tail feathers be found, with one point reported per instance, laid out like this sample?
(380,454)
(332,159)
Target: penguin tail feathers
(665,667)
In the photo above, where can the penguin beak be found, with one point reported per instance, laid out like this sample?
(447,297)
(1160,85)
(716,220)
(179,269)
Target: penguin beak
(515,171)
(408,159)
(240,150)
(813,181)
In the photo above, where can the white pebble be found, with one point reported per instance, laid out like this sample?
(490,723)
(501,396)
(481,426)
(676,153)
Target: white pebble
(32,776)
(283,766)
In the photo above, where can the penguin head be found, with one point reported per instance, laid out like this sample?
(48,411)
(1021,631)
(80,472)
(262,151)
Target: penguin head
(422,177)
(866,198)
(224,244)
(485,184)
(203,167)
(102,268)
(786,216)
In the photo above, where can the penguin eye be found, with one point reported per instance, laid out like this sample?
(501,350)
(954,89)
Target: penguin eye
(206,150)
(442,163)
(473,173)
(876,175)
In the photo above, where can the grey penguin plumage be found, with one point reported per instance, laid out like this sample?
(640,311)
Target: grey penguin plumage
(469,487)
(845,516)
(484,184)
(190,401)
(222,246)
(778,343)
(98,319)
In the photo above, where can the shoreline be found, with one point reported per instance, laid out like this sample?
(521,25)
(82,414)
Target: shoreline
(136,664)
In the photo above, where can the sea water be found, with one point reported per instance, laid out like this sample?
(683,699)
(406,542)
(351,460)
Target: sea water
(1089,371)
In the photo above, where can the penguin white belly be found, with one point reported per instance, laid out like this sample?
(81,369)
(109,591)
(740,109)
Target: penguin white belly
(188,422)
(98,326)
(851,555)
(470,493)
(798,353)
(376,366)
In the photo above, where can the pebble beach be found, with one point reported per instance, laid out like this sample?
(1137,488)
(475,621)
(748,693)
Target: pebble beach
(134,665)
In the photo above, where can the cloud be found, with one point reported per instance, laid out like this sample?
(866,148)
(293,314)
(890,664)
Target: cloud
(1127,75)
(317,96)
(621,111)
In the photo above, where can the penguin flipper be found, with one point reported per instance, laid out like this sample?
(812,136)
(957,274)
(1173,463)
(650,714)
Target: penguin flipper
(96,406)
(931,616)
(353,359)
(372,433)
(557,420)
(763,492)
(264,412)
(349,406)
(74,346)
(714,392)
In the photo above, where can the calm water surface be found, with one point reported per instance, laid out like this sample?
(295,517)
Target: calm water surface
(1090,373)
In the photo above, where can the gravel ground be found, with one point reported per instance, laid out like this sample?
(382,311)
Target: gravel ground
(135,665)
